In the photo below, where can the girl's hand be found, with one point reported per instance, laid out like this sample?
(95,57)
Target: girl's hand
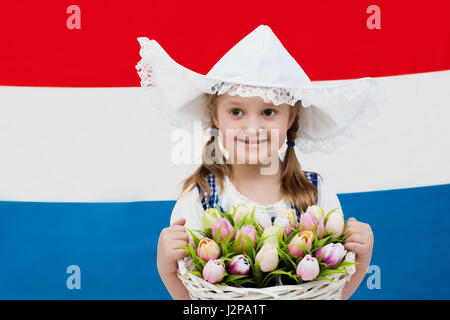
(360,241)
(169,251)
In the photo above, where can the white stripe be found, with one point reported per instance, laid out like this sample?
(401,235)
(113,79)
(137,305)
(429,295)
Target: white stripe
(107,145)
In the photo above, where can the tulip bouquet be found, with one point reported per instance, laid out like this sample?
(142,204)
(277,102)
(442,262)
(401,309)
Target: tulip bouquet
(236,249)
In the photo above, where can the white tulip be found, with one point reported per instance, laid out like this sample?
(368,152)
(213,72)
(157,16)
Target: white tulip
(335,223)
(241,211)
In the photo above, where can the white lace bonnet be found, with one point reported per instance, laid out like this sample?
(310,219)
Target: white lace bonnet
(259,65)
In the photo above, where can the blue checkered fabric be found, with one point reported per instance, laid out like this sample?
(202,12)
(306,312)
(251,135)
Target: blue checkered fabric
(214,199)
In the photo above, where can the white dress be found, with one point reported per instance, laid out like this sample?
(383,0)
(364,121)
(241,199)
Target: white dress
(189,207)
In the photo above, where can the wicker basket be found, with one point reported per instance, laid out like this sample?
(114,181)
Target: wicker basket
(200,289)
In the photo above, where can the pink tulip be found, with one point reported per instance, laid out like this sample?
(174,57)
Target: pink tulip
(225,227)
(334,253)
(284,224)
(213,271)
(308,221)
(239,265)
(208,249)
(320,228)
(249,231)
(308,268)
(304,238)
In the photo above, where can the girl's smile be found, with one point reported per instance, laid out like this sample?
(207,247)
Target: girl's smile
(252,142)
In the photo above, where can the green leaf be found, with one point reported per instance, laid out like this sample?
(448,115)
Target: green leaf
(240,282)
(228,238)
(233,277)
(196,239)
(304,248)
(287,259)
(324,278)
(331,271)
(230,219)
(207,233)
(217,234)
(198,262)
(257,273)
(316,239)
(223,248)
(347,264)
(197,273)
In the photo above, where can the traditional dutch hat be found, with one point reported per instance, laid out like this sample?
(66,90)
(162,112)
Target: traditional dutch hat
(259,65)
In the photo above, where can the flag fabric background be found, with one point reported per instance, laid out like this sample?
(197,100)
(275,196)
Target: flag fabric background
(87,176)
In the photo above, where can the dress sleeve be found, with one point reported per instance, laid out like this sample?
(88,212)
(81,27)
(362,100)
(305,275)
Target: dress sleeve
(327,197)
(188,206)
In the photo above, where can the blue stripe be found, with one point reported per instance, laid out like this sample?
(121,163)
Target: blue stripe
(115,246)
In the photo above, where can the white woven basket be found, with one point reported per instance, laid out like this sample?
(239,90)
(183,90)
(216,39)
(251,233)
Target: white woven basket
(200,289)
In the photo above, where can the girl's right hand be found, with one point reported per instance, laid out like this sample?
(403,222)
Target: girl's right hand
(169,251)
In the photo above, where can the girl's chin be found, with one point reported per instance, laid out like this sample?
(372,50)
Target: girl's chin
(253,159)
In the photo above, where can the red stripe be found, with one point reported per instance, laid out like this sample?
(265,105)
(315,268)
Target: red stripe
(329,39)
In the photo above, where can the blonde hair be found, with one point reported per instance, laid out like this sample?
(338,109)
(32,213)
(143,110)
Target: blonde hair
(295,186)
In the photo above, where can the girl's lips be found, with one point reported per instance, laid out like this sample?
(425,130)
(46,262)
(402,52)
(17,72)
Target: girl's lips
(255,142)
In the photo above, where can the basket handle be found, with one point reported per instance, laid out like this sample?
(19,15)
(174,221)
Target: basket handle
(182,267)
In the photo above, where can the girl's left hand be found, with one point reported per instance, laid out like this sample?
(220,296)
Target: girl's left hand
(360,241)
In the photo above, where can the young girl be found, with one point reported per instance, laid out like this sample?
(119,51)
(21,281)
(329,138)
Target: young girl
(256,100)
(244,183)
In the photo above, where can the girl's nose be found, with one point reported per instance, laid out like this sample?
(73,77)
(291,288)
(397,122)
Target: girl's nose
(253,124)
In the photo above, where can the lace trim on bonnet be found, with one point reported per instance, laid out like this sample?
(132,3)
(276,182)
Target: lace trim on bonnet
(276,96)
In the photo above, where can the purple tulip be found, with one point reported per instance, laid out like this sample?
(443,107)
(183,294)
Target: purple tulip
(308,268)
(225,230)
(334,253)
(213,271)
(239,265)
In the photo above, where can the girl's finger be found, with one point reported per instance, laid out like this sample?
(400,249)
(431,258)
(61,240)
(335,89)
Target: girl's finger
(353,246)
(356,237)
(179,235)
(179,222)
(177,228)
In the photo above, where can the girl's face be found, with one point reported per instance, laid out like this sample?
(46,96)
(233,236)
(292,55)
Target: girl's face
(251,129)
